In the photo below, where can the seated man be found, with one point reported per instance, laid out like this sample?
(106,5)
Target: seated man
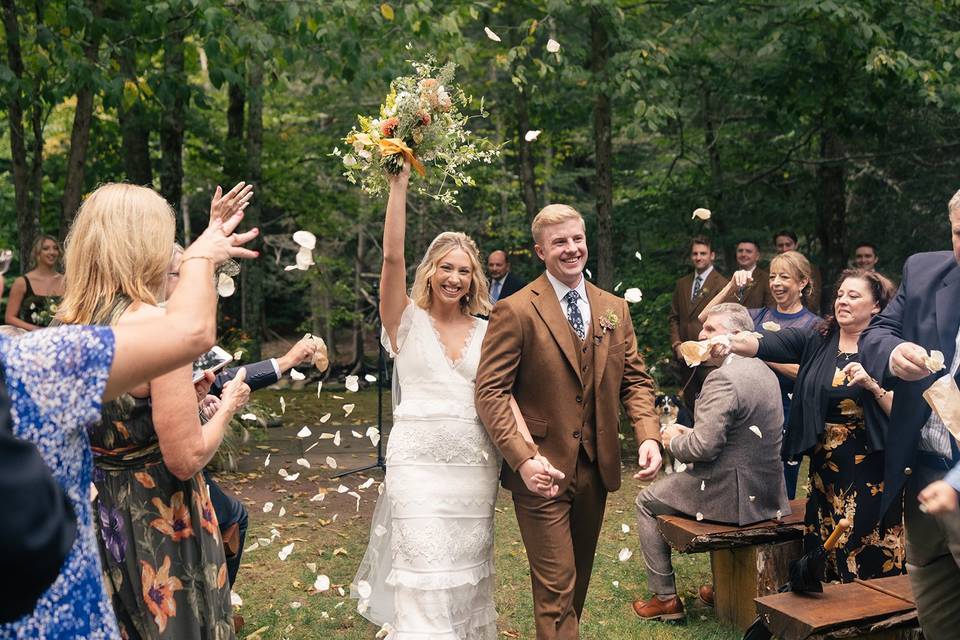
(736,476)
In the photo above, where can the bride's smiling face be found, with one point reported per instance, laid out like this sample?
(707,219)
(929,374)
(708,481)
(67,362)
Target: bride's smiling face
(452,279)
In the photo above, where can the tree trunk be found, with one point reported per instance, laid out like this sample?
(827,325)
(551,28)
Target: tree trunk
(831,206)
(36,125)
(603,147)
(171,119)
(712,144)
(528,182)
(80,135)
(134,128)
(234,166)
(253,270)
(28,225)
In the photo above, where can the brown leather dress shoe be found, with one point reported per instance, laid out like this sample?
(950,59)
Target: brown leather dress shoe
(657,609)
(706,594)
(238,623)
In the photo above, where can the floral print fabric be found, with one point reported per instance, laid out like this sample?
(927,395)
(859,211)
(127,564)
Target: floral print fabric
(159,539)
(846,481)
(56,379)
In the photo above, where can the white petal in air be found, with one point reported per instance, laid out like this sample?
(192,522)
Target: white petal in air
(331,462)
(303,462)
(553,46)
(282,512)
(633,295)
(699,516)
(225,286)
(292,477)
(624,555)
(490,34)
(638,256)
(370,378)
(352,383)
(532,135)
(756,431)
(304,433)
(348,409)
(305,239)
(336,439)
(703,214)
(249,417)
(266,461)
(283,405)
(324,418)
(304,259)
(296,375)
(617,286)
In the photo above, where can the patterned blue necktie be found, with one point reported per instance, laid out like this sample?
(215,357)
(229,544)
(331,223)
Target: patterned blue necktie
(697,285)
(573,313)
(495,291)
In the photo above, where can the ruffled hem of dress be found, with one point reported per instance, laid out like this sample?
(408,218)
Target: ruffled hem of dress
(436,580)
(483,626)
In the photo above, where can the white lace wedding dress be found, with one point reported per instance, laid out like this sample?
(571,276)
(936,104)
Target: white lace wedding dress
(429,562)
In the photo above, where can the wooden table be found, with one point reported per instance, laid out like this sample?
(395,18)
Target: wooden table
(747,562)
(881,608)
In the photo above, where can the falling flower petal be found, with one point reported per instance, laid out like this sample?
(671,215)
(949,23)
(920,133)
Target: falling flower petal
(322,583)
(331,462)
(625,528)
(319,386)
(617,286)
(633,295)
(638,256)
(348,409)
(225,286)
(296,375)
(589,275)
(625,554)
(307,450)
(752,498)
(327,436)
(343,488)
(532,135)
(616,584)
(699,516)
(303,462)
(283,473)
(286,551)
(235,599)
(364,589)
(249,416)
(304,433)
(282,512)
(779,514)
(305,239)
(292,477)
(352,383)
(266,462)
(283,405)
(770,325)
(756,431)
(703,485)
(367,484)
(491,34)
(703,214)
(356,434)
(267,507)
(304,259)
(336,439)
(324,417)
(553,46)
(318,498)
(370,378)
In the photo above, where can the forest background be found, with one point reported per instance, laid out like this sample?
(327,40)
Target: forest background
(835,118)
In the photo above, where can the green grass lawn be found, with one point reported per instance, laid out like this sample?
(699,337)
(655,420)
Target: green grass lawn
(278,599)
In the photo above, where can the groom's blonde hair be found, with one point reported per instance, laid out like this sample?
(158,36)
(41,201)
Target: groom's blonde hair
(553,214)
(477,299)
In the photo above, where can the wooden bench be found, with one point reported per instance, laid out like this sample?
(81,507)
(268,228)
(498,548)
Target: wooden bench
(747,562)
(883,608)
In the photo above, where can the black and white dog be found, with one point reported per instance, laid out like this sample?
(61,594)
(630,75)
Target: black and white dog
(672,410)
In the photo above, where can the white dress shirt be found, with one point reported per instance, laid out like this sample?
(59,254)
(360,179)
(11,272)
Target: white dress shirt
(583,304)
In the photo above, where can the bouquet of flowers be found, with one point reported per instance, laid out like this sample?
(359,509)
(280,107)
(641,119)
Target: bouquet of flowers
(419,122)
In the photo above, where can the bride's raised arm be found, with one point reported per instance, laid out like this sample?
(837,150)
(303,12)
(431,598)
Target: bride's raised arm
(393,274)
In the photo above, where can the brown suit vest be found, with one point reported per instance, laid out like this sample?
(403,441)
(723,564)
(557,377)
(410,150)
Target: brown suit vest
(587,399)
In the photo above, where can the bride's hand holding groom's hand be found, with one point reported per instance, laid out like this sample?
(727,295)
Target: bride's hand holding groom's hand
(540,476)
(649,459)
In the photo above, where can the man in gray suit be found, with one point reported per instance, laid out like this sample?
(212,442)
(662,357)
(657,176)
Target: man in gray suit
(734,475)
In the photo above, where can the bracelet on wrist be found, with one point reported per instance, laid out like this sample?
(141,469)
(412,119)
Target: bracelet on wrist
(882,393)
(188,258)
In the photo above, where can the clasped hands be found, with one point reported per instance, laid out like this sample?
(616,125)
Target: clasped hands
(540,476)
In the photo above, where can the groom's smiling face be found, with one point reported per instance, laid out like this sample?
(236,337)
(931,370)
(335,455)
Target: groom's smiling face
(563,249)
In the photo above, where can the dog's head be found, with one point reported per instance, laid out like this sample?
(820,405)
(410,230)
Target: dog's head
(667,406)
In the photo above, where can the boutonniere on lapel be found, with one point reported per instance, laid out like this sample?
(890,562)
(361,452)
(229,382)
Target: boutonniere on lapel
(608,322)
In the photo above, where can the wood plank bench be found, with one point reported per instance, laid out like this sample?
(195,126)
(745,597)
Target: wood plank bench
(747,562)
(883,608)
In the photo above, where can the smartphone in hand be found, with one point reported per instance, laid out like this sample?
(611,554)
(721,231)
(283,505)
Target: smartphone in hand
(214,360)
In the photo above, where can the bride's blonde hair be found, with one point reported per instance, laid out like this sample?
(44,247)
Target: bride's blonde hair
(477,299)
(119,244)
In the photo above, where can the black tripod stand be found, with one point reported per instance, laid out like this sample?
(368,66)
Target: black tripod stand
(381,463)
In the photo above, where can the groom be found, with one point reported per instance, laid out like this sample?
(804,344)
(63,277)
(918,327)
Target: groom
(567,352)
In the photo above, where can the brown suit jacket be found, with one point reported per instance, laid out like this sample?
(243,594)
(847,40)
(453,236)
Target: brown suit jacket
(683,312)
(528,351)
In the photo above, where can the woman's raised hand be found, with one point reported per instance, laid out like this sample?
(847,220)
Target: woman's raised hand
(223,205)
(401,179)
(742,278)
(218,242)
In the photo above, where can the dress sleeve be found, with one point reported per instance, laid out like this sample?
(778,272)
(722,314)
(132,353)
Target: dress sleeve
(406,321)
(63,370)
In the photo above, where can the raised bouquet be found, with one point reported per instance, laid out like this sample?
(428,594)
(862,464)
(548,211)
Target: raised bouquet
(422,121)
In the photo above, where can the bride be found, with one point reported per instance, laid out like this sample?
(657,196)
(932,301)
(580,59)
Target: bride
(428,569)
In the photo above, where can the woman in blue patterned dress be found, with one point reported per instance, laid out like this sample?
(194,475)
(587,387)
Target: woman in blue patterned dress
(57,380)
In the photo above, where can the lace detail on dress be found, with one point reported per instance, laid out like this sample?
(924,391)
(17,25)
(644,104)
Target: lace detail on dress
(437,541)
(441,442)
(467,342)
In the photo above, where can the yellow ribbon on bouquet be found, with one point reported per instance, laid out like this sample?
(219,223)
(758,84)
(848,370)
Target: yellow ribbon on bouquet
(393,146)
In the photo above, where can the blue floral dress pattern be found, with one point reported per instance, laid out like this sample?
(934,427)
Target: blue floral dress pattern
(56,379)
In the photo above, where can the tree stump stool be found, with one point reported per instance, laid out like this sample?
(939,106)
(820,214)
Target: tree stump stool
(747,562)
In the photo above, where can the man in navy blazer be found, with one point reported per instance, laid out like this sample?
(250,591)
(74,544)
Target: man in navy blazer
(502,281)
(924,315)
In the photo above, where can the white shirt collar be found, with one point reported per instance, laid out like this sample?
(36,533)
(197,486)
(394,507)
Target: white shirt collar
(562,289)
(703,276)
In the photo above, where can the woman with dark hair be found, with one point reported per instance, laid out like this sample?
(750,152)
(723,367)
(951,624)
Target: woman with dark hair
(839,420)
(34,296)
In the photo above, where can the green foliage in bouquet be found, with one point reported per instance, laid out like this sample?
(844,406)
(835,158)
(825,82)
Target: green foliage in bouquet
(422,121)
